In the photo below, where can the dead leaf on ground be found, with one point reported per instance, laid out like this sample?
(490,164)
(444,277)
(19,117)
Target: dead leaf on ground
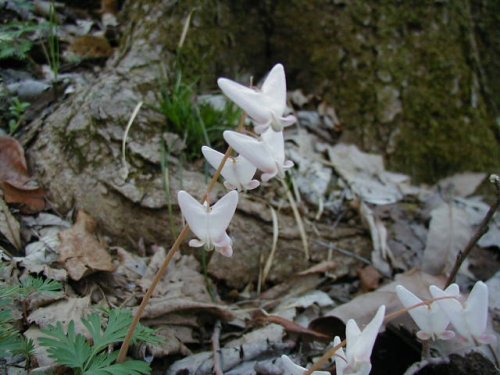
(462,185)
(449,233)
(18,187)
(165,305)
(9,226)
(65,311)
(369,278)
(183,278)
(80,252)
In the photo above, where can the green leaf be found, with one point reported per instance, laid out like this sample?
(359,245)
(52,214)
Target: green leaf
(67,349)
(103,365)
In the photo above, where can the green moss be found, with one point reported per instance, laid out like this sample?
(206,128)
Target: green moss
(363,57)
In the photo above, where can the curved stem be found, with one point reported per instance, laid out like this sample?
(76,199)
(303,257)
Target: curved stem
(163,269)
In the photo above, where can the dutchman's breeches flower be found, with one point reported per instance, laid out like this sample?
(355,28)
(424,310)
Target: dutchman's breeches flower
(238,172)
(431,319)
(209,224)
(266,107)
(470,317)
(359,346)
(266,153)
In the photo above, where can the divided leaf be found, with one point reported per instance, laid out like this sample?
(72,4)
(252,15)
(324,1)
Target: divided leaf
(68,349)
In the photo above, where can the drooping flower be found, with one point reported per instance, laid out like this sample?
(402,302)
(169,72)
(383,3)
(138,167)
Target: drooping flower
(238,172)
(359,346)
(431,319)
(209,224)
(267,153)
(470,317)
(267,106)
(291,368)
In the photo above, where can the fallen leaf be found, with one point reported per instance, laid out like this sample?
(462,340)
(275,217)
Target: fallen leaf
(164,305)
(369,278)
(71,309)
(461,185)
(366,175)
(18,187)
(449,233)
(80,252)
(9,226)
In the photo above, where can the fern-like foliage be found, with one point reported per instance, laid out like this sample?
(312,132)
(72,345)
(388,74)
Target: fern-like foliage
(73,350)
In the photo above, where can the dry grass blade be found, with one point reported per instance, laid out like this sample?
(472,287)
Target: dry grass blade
(270,259)
(125,136)
(298,219)
(185,29)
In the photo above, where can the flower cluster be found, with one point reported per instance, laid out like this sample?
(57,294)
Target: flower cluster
(266,152)
(468,317)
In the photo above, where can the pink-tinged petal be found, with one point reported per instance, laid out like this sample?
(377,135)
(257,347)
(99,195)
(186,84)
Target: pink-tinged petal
(487,339)
(364,344)
(288,120)
(195,214)
(221,214)
(251,101)
(476,309)
(261,128)
(446,335)
(196,243)
(253,184)
(423,335)
(255,151)
(224,245)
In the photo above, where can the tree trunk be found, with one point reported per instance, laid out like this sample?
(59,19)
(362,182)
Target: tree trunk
(405,81)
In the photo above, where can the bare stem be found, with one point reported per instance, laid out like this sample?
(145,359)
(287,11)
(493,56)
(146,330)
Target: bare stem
(483,228)
(325,358)
(163,269)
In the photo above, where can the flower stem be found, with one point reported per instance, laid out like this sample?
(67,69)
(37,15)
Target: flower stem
(163,269)
(483,228)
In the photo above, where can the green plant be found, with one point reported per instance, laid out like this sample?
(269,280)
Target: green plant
(198,123)
(14,43)
(12,342)
(51,51)
(17,109)
(92,357)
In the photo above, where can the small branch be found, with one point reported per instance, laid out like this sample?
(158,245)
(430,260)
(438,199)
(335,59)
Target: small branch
(483,228)
(216,348)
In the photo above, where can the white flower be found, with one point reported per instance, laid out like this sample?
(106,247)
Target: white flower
(238,172)
(266,106)
(431,319)
(266,153)
(470,317)
(209,224)
(359,346)
(291,368)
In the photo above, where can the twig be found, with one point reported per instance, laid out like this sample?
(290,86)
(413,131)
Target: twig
(216,348)
(483,228)
(348,253)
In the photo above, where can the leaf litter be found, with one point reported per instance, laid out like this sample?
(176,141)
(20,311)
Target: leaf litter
(407,226)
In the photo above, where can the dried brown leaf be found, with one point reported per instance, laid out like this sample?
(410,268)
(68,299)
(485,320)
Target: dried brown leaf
(80,252)
(9,226)
(18,187)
